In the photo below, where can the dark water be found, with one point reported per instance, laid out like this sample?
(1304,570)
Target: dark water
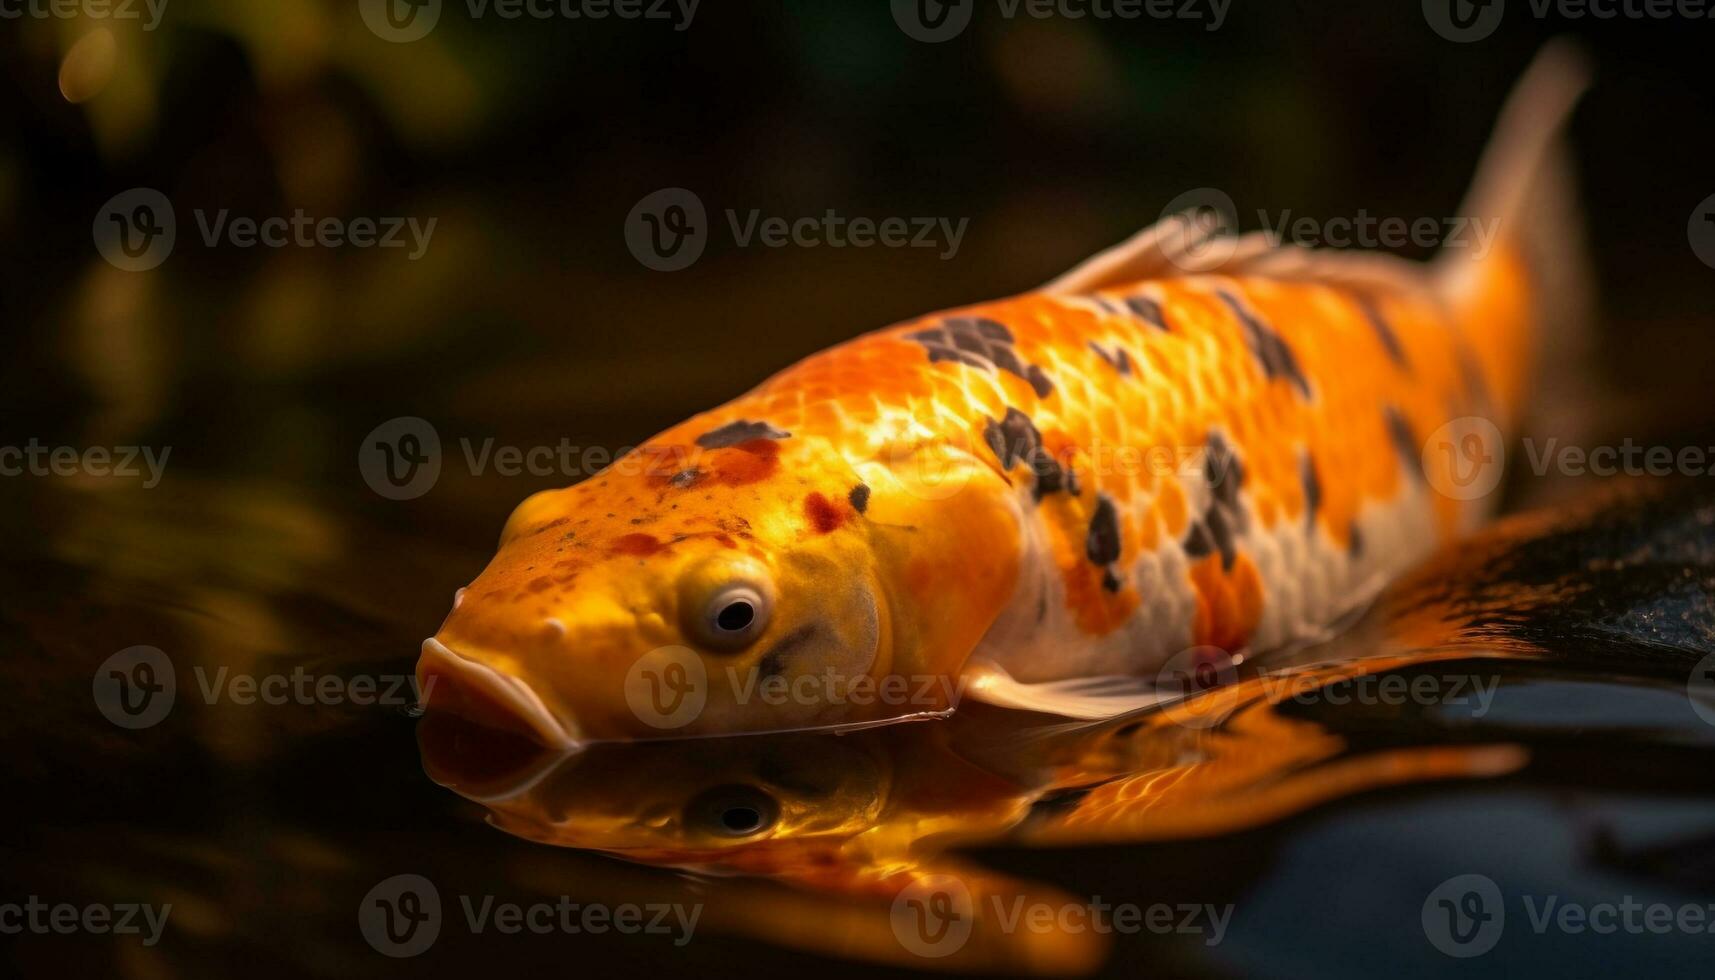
(1321,818)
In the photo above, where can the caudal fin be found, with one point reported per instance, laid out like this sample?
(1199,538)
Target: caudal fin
(1524,303)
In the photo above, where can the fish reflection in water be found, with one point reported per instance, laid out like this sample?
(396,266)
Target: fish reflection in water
(868,829)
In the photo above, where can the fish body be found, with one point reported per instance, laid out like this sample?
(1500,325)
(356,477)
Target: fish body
(1188,445)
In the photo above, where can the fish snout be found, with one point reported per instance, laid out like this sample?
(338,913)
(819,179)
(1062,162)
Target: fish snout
(484,694)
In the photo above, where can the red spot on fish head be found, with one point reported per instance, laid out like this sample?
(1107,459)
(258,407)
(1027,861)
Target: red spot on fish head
(823,515)
(748,462)
(638,545)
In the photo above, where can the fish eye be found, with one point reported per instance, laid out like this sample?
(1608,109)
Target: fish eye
(732,617)
(732,811)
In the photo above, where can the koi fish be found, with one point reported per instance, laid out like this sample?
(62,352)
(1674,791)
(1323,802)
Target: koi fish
(975,497)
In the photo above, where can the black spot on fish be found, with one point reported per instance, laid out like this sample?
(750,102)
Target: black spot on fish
(733,433)
(1277,359)
(684,478)
(1198,543)
(1405,443)
(958,356)
(1147,310)
(1012,438)
(1312,490)
(982,343)
(1015,439)
(1218,529)
(1221,467)
(1039,381)
(1383,329)
(859,497)
(1102,543)
(1119,360)
(1355,540)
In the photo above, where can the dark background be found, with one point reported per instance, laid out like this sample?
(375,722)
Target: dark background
(528,321)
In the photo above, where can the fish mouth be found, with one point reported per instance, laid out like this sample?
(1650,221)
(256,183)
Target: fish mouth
(458,685)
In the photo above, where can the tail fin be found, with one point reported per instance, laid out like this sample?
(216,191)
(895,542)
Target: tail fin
(1534,277)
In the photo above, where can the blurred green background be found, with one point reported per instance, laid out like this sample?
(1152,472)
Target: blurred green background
(529,141)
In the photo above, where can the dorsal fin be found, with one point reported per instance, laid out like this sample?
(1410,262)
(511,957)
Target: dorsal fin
(1185,245)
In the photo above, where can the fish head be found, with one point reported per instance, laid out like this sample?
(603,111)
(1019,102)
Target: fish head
(688,589)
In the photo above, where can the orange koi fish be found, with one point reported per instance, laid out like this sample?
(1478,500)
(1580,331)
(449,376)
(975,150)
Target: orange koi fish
(1190,442)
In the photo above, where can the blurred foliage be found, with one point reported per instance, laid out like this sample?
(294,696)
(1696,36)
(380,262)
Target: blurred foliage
(529,140)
